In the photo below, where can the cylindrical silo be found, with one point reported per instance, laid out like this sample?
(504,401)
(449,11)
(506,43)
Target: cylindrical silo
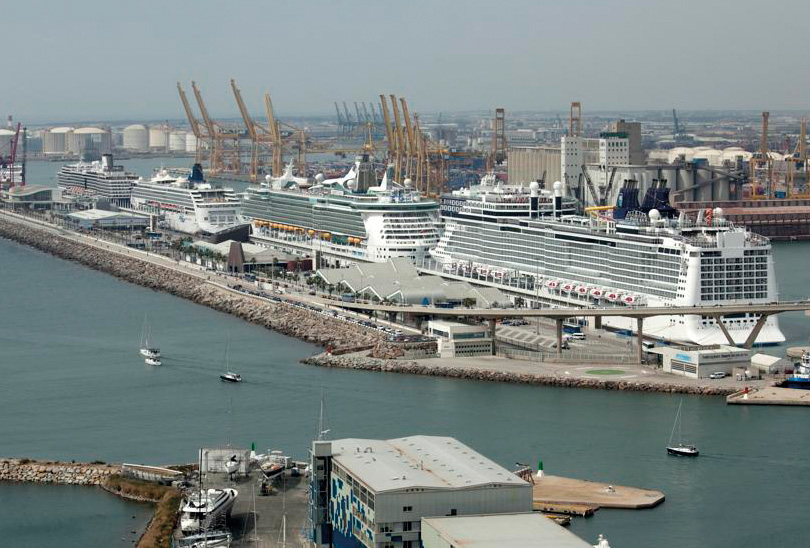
(191,142)
(57,140)
(159,137)
(177,141)
(136,138)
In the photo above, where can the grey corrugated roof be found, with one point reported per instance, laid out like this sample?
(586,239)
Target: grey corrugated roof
(429,462)
(529,530)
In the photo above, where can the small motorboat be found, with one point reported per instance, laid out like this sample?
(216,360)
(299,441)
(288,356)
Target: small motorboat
(232,464)
(153,361)
(231,377)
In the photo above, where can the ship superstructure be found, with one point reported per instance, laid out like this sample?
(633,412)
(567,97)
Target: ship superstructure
(99,179)
(351,217)
(637,255)
(187,203)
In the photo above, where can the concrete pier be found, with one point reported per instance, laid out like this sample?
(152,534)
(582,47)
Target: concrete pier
(770,395)
(558,492)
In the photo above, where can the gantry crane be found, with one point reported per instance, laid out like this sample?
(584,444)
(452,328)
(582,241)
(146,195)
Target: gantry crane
(263,139)
(220,139)
(797,162)
(761,165)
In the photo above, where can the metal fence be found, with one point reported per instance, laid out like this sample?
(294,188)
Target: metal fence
(568,356)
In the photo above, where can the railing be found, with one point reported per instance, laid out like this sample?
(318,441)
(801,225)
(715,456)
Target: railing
(586,358)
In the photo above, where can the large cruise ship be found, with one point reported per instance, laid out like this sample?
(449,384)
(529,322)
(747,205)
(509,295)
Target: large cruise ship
(98,179)
(637,255)
(352,218)
(187,203)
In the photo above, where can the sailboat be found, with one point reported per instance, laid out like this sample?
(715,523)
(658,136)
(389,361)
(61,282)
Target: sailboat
(679,448)
(148,351)
(229,376)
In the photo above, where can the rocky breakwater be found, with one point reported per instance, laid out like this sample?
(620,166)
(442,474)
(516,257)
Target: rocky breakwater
(368,363)
(300,323)
(67,473)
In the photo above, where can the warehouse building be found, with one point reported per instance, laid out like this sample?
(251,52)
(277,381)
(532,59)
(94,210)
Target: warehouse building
(527,164)
(376,492)
(457,340)
(107,220)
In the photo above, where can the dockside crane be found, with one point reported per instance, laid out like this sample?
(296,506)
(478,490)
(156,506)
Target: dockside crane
(411,157)
(204,140)
(389,132)
(262,138)
(797,162)
(220,137)
(761,165)
(401,146)
(275,134)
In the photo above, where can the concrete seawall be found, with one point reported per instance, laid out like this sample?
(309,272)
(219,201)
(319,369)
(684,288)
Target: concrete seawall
(64,473)
(364,363)
(283,318)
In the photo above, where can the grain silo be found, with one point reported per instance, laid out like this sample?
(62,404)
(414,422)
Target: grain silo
(136,138)
(177,141)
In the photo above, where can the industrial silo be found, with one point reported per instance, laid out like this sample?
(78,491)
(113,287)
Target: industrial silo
(177,141)
(159,138)
(55,140)
(89,142)
(191,143)
(136,138)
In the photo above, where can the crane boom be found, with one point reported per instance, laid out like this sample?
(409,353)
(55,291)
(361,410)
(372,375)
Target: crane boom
(275,135)
(365,111)
(763,144)
(346,111)
(409,130)
(249,124)
(192,120)
(400,136)
(359,116)
(388,132)
(209,123)
(339,115)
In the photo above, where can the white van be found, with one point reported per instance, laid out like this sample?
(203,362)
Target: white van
(578,336)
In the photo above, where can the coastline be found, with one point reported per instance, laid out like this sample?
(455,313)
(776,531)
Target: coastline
(345,338)
(412,367)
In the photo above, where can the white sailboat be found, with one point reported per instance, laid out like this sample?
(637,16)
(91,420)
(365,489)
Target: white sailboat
(147,350)
(679,447)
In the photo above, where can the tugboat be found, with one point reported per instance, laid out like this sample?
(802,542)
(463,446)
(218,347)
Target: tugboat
(231,377)
(680,449)
(801,374)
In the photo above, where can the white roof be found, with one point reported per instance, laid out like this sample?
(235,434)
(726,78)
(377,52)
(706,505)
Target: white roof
(63,129)
(429,462)
(765,359)
(97,214)
(89,131)
(529,530)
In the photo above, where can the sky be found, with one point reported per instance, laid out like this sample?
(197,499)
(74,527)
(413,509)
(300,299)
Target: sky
(116,60)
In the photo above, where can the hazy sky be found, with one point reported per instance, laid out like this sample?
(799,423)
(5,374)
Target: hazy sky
(113,60)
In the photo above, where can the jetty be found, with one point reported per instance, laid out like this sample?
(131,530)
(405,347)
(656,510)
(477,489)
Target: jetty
(770,395)
(582,497)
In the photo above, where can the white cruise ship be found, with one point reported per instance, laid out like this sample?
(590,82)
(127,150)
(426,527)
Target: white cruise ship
(351,218)
(99,179)
(187,204)
(638,255)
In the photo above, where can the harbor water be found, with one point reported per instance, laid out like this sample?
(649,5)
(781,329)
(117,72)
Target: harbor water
(75,388)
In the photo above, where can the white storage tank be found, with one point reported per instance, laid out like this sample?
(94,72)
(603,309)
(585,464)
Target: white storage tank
(93,140)
(159,137)
(191,142)
(6,136)
(54,140)
(177,141)
(136,138)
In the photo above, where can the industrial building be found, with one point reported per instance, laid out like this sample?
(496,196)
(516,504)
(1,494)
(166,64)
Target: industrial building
(522,530)
(253,257)
(54,140)
(83,141)
(527,164)
(458,340)
(376,492)
(698,362)
(107,220)
(398,280)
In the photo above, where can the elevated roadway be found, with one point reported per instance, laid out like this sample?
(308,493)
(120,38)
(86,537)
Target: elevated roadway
(560,314)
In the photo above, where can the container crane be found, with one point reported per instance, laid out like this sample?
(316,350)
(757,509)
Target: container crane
(195,126)
(262,138)
(411,157)
(761,165)
(389,132)
(219,138)
(401,152)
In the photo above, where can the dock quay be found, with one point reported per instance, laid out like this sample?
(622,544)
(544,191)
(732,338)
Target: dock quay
(257,518)
(770,395)
(582,497)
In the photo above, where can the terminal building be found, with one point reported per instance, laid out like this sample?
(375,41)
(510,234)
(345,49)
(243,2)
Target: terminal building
(698,362)
(376,492)
(457,340)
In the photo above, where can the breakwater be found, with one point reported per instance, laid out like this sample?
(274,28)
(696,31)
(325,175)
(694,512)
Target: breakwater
(366,363)
(65,473)
(281,317)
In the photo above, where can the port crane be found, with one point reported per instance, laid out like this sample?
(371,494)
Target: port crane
(204,140)
(221,137)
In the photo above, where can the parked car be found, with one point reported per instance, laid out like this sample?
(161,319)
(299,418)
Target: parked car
(717,375)
(578,336)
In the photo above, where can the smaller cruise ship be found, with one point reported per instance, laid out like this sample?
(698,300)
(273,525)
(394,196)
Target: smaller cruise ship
(187,203)
(99,179)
